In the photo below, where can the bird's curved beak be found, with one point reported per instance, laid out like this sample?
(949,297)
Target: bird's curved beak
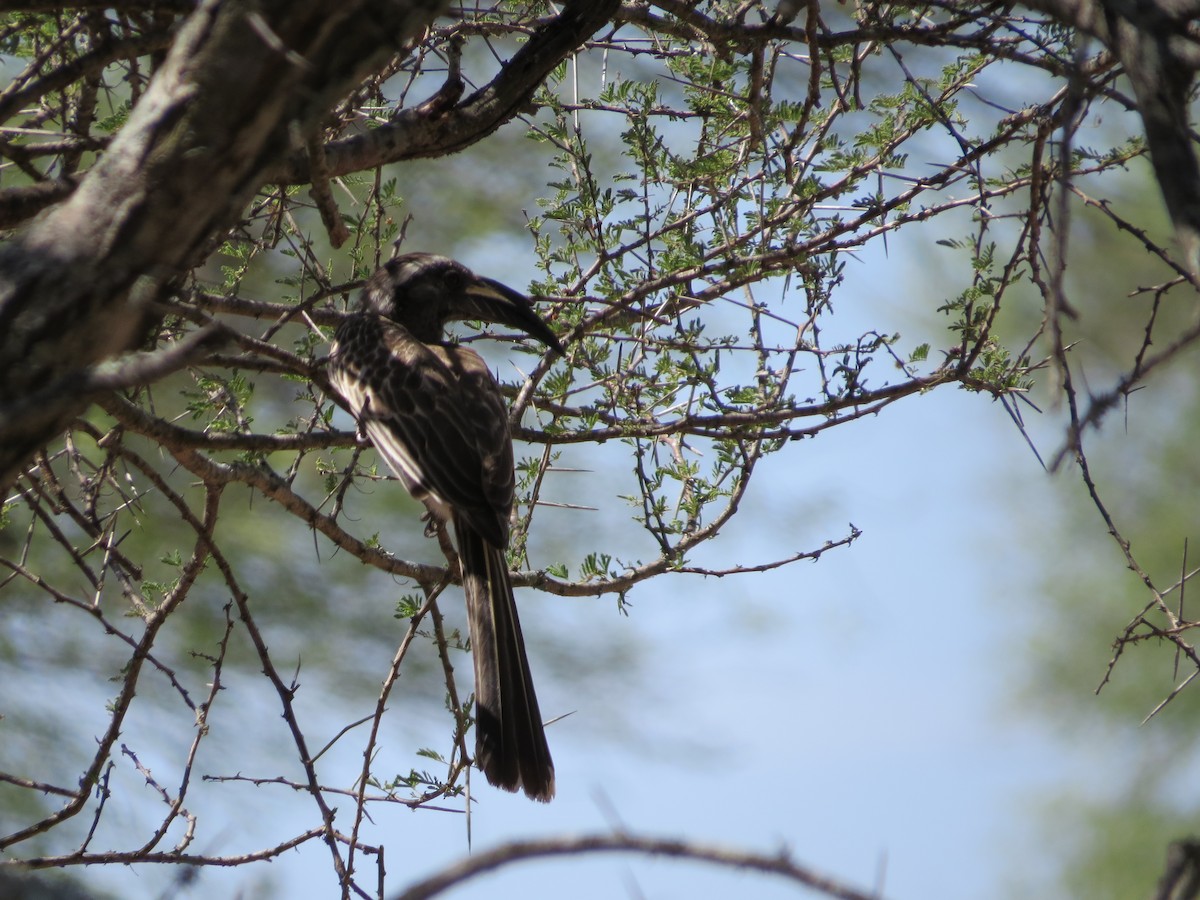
(491,301)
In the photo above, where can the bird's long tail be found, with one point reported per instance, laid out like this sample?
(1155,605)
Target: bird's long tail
(510,744)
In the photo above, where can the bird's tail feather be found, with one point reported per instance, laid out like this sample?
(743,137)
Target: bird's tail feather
(510,744)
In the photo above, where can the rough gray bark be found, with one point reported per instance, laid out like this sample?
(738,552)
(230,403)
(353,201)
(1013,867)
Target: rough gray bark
(239,83)
(435,128)
(1181,880)
(1160,56)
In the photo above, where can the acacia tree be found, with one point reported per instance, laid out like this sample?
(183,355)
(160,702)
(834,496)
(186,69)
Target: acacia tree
(714,166)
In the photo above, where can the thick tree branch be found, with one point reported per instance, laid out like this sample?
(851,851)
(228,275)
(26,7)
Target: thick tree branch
(74,287)
(430,130)
(1160,56)
(24,201)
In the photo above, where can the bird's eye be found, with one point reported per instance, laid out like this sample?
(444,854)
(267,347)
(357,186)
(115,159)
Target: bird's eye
(453,280)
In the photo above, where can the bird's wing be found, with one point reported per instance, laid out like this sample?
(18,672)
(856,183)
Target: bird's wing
(435,415)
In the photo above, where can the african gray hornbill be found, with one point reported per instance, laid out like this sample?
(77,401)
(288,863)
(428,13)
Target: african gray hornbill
(434,412)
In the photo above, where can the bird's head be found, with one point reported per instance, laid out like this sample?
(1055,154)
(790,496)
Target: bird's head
(423,291)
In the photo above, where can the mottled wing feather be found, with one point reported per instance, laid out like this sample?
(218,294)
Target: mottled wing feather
(435,415)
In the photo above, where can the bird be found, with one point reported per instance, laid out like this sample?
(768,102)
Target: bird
(433,411)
